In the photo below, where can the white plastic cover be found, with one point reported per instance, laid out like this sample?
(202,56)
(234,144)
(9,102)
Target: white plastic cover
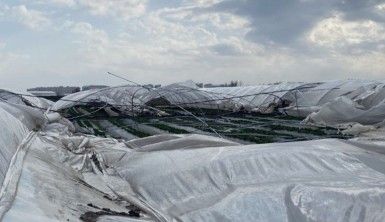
(260,96)
(367,109)
(312,99)
(295,99)
(124,98)
(25,99)
(187,94)
(194,178)
(15,124)
(130,98)
(334,102)
(326,180)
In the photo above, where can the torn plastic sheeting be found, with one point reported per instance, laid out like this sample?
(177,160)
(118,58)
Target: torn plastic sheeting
(341,111)
(186,94)
(371,97)
(322,180)
(122,97)
(312,99)
(50,190)
(16,124)
(137,143)
(368,109)
(109,149)
(303,98)
(130,98)
(30,117)
(24,99)
(60,179)
(188,141)
(16,121)
(260,96)
(328,91)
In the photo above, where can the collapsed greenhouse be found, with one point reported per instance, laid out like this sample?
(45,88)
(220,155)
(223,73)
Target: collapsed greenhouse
(281,152)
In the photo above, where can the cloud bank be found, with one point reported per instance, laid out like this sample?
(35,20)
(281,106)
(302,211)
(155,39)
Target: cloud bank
(255,41)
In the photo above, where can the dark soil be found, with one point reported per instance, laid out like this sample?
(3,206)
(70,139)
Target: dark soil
(92,216)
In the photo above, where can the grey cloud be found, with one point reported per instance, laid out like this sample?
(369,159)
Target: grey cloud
(285,21)
(159,4)
(225,49)
(361,9)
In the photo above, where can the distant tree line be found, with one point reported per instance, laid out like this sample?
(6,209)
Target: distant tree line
(233,83)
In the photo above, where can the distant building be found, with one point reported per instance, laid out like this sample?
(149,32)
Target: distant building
(43,93)
(59,90)
(84,88)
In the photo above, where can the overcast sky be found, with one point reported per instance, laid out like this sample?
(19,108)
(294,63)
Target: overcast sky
(75,42)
